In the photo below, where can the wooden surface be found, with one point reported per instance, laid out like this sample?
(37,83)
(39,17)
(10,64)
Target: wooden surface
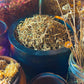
(23,78)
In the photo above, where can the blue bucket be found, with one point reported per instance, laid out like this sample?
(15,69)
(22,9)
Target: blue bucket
(36,61)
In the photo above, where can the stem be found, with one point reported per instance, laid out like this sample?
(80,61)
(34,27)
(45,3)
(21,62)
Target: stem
(64,21)
(81,14)
(76,41)
(40,5)
(75,36)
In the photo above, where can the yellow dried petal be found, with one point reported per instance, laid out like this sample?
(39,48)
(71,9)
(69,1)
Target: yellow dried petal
(11,69)
(1,74)
(79,3)
(68,44)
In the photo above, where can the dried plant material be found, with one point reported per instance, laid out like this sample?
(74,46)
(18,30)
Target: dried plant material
(66,7)
(8,70)
(68,44)
(77,3)
(41,32)
(11,69)
(3,64)
(50,7)
(78,48)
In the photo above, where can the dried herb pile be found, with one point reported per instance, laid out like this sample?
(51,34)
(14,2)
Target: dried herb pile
(77,49)
(8,71)
(41,32)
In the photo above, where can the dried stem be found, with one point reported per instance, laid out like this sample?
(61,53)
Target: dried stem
(77,51)
(64,21)
(78,45)
(40,2)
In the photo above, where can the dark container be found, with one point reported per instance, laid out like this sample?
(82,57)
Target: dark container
(48,78)
(34,61)
(20,78)
(4,42)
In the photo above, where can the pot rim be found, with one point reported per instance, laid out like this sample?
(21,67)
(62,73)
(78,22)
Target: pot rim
(8,58)
(48,74)
(5,27)
(16,80)
(30,51)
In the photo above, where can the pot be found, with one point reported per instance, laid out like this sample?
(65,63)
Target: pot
(36,61)
(20,78)
(48,78)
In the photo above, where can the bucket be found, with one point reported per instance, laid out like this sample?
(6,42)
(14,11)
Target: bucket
(36,61)
(48,78)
